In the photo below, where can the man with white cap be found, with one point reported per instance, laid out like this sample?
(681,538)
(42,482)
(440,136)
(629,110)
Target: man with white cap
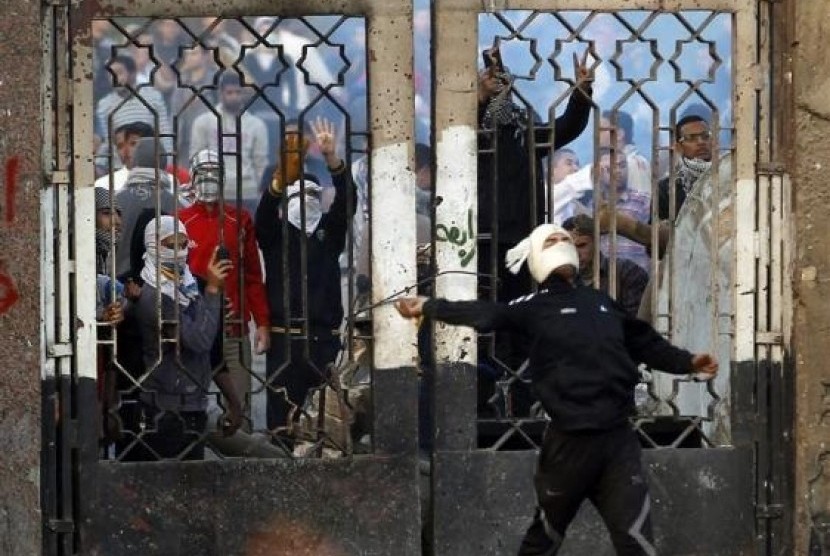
(301,247)
(583,363)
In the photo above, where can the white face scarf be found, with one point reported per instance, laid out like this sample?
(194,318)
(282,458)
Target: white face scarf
(541,261)
(313,208)
(168,265)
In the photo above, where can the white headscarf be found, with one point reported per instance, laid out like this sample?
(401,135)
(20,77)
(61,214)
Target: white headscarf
(175,279)
(313,208)
(542,261)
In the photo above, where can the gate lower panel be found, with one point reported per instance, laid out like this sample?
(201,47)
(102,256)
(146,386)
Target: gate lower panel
(702,504)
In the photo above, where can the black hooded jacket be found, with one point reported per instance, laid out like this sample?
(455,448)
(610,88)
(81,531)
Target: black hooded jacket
(292,258)
(584,350)
(507,160)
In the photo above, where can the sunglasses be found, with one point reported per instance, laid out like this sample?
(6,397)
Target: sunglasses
(695,137)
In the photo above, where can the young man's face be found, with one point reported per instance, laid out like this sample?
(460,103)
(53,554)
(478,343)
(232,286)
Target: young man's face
(616,177)
(108,220)
(125,144)
(585,249)
(694,141)
(232,98)
(564,165)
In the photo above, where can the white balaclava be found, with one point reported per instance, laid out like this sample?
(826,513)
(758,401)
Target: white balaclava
(313,208)
(541,261)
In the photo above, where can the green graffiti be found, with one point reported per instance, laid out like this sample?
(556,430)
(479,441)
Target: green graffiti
(464,239)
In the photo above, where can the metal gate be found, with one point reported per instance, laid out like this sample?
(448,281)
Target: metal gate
(719,470)
(716,452)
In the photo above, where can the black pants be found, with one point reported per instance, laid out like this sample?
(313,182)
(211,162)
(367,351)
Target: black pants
(605,468)
(291,373)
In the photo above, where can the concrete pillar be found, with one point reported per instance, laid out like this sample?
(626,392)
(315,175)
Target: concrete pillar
(810,164)
(20,340)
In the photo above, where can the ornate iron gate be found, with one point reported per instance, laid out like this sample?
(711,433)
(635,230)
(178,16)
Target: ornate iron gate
(730,428)
(480,492)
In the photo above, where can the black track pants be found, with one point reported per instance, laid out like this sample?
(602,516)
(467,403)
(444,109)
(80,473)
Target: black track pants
(603,467)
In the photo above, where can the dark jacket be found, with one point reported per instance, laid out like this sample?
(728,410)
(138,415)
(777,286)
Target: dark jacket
(664,198)
(584,350)
(177,381)
(285,271)
(505,164)
(631,283)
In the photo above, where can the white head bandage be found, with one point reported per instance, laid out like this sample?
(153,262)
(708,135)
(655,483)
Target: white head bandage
(541,260)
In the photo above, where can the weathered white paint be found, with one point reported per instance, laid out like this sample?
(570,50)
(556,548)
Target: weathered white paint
(744,312)
(84,216)
(456,219)
(47,286)
(393,253)
(745,289)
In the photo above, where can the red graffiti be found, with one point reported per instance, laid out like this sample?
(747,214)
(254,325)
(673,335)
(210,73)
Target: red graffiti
(12,169)
(8,290)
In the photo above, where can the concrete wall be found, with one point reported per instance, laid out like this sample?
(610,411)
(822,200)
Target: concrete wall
(809,165)
(20,154)
(807,158)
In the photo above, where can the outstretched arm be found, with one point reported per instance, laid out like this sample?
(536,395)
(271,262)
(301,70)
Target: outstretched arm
(647,346)
(481,315)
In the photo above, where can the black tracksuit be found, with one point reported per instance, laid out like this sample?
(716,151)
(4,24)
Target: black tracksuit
(584,352)
(287,269)
(511,202)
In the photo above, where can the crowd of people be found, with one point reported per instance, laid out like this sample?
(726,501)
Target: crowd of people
(243,250)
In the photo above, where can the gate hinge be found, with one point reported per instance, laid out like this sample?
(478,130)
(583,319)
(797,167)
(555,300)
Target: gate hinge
(61,525)
(60,177)
(769,511)
(767,338)
(59,350)
(773,168)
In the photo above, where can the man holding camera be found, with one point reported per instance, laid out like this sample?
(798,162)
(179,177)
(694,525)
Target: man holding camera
(212,223)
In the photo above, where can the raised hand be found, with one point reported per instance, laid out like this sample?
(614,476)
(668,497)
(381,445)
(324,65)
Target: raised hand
(325,135)
(583,72)
(291,157)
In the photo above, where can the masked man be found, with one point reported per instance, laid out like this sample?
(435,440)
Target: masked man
(583,366)
(301,246)
(211,222)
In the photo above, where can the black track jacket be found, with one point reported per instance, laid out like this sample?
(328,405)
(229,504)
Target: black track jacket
(584,350)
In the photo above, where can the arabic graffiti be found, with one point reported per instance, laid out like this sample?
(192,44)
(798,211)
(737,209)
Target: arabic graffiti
(464,239)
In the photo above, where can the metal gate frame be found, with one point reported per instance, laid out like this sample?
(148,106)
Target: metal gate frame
(761,334)
(98,508)
(476,495)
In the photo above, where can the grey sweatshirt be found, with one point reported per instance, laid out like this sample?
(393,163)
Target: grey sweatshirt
(177,382)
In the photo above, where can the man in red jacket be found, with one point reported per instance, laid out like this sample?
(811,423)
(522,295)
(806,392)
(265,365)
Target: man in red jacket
(211,222)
